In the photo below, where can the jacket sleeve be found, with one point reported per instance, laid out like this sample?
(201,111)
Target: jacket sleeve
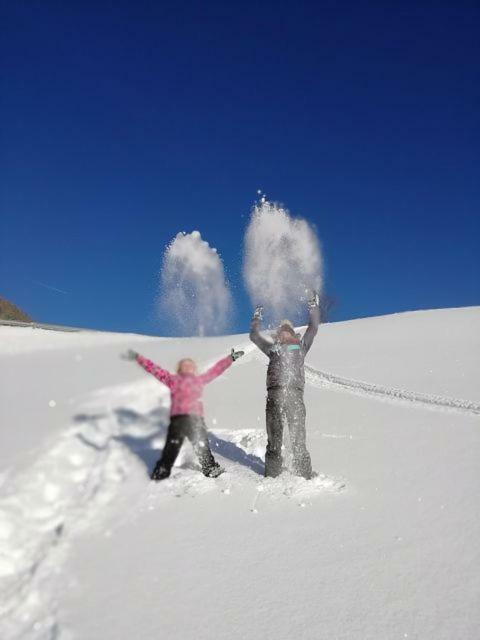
(255,336)
(312,328)
(155,370)
(216,370)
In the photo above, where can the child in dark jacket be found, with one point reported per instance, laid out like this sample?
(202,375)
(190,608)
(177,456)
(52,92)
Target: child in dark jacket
(186,412)
(285,384)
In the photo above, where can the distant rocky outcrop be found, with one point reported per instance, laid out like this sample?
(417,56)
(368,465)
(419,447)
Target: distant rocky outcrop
(9,311)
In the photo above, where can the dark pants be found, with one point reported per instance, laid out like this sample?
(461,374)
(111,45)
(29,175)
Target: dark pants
(286,407)
(181,427)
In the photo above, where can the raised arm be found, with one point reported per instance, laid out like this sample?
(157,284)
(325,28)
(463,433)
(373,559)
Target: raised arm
(255,336)
(311,332)
(155,370)
(216,370)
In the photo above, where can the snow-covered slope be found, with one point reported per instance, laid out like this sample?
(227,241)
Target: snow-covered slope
(383,544)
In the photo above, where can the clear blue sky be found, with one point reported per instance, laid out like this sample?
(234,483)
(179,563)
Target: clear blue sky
(123,123)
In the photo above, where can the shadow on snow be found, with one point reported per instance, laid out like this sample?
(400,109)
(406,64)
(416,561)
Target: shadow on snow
(144,447)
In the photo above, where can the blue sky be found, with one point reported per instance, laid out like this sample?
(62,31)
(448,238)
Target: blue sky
(124,123)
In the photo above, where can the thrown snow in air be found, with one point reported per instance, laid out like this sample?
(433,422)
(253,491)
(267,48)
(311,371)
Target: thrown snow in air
(282,260)
(195,296)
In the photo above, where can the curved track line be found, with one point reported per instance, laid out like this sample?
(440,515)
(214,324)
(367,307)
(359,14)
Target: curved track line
(322,378)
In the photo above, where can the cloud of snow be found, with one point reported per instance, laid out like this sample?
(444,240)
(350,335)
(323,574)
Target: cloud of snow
(282,261)
(194,293)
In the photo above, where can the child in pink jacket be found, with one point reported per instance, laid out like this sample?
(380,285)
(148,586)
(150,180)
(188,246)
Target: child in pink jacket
(186,412)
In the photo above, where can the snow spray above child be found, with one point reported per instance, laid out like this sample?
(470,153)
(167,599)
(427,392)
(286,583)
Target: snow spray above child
(282,261)
(195,296)
(186,421)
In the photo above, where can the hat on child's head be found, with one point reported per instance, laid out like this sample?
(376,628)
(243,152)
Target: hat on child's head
(286,325)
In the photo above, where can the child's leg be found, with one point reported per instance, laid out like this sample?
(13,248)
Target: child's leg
(175,438)
(199,438)
(275,416)
(302,464)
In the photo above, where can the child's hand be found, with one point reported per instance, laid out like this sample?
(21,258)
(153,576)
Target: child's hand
(258,313)
(129,355)
(237,354)
(314,301)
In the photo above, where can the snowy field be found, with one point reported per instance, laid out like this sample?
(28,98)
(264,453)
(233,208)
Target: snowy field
(384,544)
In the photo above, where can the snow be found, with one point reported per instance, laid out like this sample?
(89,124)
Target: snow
(282,261)
(384,543)
(195,295)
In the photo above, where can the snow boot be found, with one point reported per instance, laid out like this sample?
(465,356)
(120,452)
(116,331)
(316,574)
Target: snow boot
(159,473)
(214,471)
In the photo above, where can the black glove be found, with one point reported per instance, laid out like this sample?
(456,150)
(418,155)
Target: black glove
(237,354)
(129,355)
(258,313)
(314,301)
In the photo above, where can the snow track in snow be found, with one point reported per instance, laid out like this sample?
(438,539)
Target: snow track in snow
(58,496)
(319,378)
(323,379)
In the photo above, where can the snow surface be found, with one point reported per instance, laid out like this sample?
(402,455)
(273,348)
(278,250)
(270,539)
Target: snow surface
(383,544)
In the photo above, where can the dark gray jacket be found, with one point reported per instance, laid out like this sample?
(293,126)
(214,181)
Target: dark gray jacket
(286,366)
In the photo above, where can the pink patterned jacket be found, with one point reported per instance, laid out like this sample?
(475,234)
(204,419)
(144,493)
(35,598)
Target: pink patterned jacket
(186,391)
